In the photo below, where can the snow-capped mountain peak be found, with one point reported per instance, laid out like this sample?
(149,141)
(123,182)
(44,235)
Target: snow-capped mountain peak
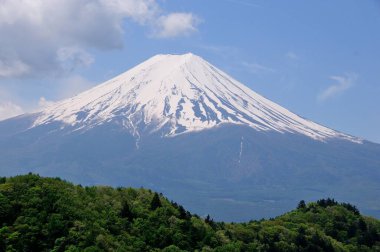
(178,94)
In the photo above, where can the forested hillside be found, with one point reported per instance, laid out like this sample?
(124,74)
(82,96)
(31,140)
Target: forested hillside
(49,214)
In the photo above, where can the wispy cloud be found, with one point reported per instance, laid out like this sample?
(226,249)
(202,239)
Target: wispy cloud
(73,57)
(244,3)
(9,106)
(223,51)
(341,84)
(73,85)
(12,67)
(218,48)
(43,103)
(291,55)
(9,109)
(176,24)
(257,68)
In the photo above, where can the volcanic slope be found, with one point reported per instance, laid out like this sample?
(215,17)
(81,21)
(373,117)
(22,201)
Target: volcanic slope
(179,125)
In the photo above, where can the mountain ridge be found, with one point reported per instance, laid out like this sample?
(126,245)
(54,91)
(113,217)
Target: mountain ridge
(120,136)
(179,93)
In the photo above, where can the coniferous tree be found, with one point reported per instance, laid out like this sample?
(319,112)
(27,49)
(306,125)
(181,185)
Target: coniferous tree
(126,212)
(210,221)
(156,202)
(301,205)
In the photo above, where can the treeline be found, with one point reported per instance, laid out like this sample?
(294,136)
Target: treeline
(49,214)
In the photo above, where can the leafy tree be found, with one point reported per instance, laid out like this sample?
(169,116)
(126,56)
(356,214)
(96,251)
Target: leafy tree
(50,214)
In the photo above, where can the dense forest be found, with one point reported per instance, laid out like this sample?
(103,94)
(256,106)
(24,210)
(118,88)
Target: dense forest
(49,214)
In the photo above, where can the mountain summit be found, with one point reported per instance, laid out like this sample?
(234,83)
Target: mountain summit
(178,125)
(179,93)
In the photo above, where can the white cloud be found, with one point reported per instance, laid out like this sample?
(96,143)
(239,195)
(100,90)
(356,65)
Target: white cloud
(9,109)
(141,11)
(342,83)
(257,68)
(11,105)
(291,55)
(40,37)
(73,85)
(66,87)
(43,103)
(176,24)
(12,68)
(72,57)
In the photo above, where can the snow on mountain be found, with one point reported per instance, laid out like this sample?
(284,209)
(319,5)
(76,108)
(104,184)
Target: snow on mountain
(178,94)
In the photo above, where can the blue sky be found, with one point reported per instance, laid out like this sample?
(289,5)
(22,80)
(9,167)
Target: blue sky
(320,59)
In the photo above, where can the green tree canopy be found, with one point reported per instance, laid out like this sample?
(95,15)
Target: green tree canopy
(49,214)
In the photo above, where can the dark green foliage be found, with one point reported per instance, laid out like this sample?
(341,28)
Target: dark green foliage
(46,214)
(156,202)
(301,205)
(327,202)
(126,211)
(210,221)
(351,208)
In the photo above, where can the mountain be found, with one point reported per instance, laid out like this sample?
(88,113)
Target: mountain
(180,94)
(179,125)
